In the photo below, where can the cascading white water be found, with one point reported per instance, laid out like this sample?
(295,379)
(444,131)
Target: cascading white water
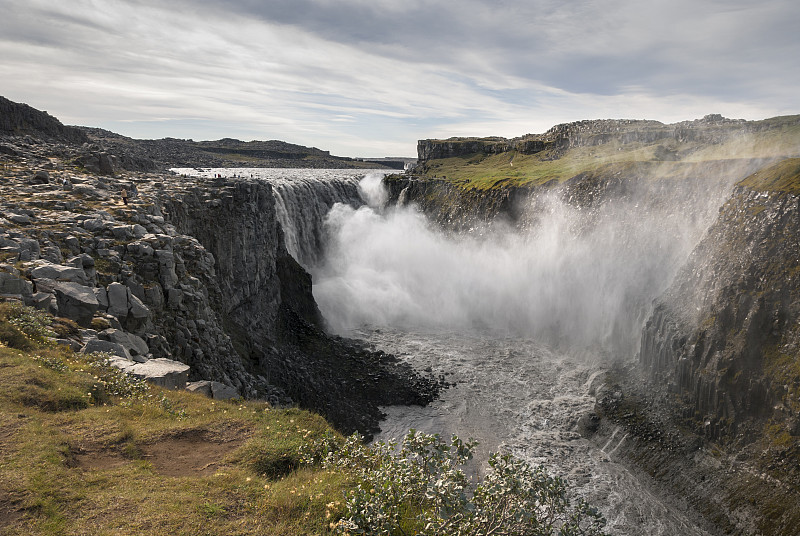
(303,199)
(488,310)
(519,320)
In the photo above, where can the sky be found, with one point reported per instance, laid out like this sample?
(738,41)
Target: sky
(368,78)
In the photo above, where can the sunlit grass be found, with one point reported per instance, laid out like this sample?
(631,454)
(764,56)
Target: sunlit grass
(75,459)
(484,171)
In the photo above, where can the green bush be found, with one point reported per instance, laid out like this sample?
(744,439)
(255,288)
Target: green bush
(32,322)
(421,489)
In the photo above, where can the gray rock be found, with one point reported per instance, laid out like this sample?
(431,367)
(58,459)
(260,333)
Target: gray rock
(90,192)
(88,260)
(139,231)
(107,163)
(29,249)
(136,308)
(73,244)
(118,300)
(220,391)
(133,343)
(94,225)
(44,301)
(20,219)
(59,272)
(125,365)
(122,232)
(40,177)
(76,302)
(202,387)
(102,297)
(52,253)
(97,345)
(11,284)
(164,372)
(213,389)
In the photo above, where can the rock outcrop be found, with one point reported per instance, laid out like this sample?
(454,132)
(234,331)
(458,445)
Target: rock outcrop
(18,119)
(192,275)
(711,129)
(713,410)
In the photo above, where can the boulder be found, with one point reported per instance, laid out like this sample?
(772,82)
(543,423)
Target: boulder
(94,225)
(202,387)
(118,300)
(107,163)
(134,344)
(40,177)
(29,249)
(97,345)
(59,272)
(20,219)
(137,309)
(212,389)
(102,297)
(11,284)
(76,302)
(164,372)
(220,391)
(45,301)
(124,305)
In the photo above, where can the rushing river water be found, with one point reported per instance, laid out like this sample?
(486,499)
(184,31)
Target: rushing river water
(516,395)
(487,312)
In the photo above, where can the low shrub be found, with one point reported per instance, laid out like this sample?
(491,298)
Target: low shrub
(421,489)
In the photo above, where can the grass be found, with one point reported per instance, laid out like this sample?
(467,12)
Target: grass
(663,158)
(783,177)
(81,454)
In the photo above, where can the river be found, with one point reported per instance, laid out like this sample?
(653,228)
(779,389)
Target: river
(521,322)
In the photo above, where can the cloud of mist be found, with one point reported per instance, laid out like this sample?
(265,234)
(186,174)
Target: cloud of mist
(580,278)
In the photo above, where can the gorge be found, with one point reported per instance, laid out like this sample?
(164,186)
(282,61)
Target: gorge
(616,300)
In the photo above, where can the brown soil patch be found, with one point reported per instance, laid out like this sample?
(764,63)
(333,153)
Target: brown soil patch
(188,453)
(97,460)
(9,513)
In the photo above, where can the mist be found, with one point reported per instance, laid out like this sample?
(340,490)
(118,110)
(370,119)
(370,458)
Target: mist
(580,278)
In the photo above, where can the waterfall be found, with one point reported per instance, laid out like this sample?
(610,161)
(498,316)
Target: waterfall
(302,204)
(303,198)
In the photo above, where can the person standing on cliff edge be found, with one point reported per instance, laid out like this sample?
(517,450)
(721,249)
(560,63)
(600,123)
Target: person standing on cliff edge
(124,195)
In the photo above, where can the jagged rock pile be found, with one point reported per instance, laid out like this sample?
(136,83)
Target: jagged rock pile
(115,270)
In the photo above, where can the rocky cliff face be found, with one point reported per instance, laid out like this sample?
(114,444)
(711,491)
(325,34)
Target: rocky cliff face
(454,207)
(263,297)
(725,336)
(716,412)
(193,271)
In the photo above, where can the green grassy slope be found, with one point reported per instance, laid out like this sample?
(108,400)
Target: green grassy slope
(770,139)
(86,450)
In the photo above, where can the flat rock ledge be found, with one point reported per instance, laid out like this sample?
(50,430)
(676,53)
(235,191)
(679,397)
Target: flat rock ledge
(161,371)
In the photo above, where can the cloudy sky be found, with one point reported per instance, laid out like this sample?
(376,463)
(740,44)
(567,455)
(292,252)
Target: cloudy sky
(370,77)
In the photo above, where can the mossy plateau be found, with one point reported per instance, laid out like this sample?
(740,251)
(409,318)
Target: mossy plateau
(666,150)
(783,177)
